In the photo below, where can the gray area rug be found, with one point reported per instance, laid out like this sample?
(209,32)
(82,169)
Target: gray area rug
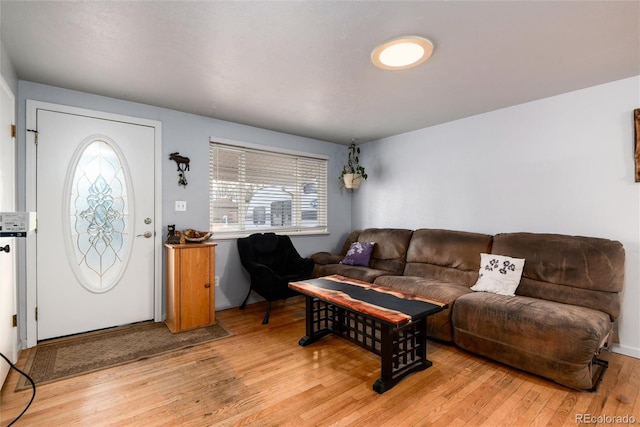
(68,357)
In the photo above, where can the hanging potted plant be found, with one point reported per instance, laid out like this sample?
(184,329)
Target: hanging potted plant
(352,172)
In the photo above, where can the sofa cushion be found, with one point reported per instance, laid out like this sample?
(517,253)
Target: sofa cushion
(584,271)
(499,274)
(352,237)
(550,339)
(390,252)
(358,254)
(438,325)
(451,256)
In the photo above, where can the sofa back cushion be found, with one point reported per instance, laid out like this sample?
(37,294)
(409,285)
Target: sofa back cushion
(390,249)
(452,256)
(584,271)
(351,238)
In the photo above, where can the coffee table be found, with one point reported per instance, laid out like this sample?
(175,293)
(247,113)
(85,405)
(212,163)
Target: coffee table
(389,323)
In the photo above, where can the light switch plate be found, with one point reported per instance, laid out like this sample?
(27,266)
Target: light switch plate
(181,206)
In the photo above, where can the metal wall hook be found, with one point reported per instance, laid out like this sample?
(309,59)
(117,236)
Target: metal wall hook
(5,248)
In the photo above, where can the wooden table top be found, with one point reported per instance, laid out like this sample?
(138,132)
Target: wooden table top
(385,304)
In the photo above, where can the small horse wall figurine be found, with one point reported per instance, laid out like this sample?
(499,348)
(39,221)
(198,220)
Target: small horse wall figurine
(183,165)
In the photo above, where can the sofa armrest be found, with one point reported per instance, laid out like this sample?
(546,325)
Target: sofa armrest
(324,258)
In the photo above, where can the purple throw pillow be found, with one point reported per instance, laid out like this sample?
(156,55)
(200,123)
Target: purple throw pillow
(359,253)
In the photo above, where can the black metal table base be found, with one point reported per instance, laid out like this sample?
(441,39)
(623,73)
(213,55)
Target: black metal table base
(402,350)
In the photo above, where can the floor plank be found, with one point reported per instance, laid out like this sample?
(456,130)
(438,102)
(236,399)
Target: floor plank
(261,376)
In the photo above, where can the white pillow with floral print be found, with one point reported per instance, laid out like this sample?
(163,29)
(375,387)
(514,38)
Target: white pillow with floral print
(499,274)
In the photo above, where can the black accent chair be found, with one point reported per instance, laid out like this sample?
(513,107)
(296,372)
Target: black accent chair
(272,262)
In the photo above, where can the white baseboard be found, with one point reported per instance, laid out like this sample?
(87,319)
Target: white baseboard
(627,351)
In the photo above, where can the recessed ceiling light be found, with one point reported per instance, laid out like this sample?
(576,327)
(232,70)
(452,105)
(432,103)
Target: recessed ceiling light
(402,53)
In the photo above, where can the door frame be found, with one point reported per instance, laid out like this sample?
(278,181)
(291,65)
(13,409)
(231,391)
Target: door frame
(32,108)
(12,338)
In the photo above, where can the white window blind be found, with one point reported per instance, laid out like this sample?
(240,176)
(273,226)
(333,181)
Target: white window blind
(253,190)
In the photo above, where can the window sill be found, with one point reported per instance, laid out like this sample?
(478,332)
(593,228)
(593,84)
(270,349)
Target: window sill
(233,236)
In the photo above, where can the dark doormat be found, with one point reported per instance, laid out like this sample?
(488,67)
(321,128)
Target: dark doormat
(68,357)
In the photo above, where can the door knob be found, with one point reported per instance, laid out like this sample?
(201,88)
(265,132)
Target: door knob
(148,234)
(5,248)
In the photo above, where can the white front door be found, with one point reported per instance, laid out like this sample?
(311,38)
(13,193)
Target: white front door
(8,335)
(96,229)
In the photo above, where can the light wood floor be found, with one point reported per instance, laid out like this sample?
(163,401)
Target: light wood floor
(262,377)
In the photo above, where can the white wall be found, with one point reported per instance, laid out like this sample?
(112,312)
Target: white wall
(559,165)
(189,134)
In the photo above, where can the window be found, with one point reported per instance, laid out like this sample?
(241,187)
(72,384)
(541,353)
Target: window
(256,190)
(99,214)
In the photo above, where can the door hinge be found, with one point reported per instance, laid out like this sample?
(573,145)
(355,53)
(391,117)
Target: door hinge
(15,320)
(36,314)
(13,131)
(36,134)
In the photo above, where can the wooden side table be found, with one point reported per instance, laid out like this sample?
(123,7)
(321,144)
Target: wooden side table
(190,285)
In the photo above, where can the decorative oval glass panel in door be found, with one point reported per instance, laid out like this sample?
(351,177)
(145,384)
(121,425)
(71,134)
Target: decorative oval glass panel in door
(100,211)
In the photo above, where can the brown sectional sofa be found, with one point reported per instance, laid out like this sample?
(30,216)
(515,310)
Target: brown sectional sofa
(560,319)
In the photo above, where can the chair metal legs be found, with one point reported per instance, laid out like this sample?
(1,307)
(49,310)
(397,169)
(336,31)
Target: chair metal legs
(244,303)
(266,315)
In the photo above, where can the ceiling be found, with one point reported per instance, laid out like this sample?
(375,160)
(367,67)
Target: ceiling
(304,68)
